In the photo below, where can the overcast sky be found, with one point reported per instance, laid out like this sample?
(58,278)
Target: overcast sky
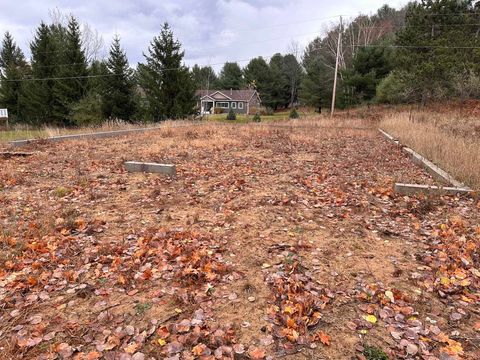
(211,31)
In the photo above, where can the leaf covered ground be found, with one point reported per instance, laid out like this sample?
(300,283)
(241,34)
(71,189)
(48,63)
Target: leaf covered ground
(271,242)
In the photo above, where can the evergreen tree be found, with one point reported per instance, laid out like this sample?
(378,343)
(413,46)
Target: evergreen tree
(119,86)
(13,68)
(316,87)
(167,83)
(204,77)
(231,77)
(257,75)
(37,94)
(72,83)
(370,66)
(293,73)
(437,43)
(279,87)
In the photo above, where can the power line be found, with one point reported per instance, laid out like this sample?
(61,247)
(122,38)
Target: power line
(265,57)
(301,35)
(419,46)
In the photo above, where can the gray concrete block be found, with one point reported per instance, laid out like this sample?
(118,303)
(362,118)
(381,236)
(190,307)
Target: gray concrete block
(389,137)
(134,166)
(413,189)
(430,167)
(433,169)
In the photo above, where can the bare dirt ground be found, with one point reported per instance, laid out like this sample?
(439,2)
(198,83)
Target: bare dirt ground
(271,242)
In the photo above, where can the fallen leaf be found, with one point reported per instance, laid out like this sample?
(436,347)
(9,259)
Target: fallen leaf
(256,353)
(370,318)
(324,338)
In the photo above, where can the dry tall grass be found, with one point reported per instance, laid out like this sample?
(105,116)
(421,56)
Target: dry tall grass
(449,140)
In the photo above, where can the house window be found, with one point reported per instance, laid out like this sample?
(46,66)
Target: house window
(223,105)
(234,105)
(240,105)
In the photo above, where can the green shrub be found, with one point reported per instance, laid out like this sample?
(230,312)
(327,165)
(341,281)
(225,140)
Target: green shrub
(231,115)
(257,118)
(374,353)
(396,88)
(218,110)
(293,114)
(88,111)
(62,191)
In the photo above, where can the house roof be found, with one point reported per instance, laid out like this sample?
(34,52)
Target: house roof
(236,95)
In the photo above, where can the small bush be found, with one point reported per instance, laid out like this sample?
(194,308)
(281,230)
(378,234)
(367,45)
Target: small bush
(231,115)
(87,111)
(374,353)
(257,118)
(396,88)
(62,191)
(218,110)
(293,114)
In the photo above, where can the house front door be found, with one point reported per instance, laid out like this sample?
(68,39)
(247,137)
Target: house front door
(207,107)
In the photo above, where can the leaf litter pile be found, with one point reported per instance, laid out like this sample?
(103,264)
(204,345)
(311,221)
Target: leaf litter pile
(270,242)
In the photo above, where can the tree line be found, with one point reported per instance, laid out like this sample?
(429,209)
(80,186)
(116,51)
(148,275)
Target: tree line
(60,86)
(427,50)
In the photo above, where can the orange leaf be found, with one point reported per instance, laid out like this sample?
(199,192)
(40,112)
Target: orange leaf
(121,280)
(147,274)
(199,349)
(256,354)
(93,355)
(131,348)
(324,338)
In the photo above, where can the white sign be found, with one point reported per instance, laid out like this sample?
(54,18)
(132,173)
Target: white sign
(3,113)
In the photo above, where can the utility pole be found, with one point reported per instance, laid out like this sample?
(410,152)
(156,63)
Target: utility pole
(336,67)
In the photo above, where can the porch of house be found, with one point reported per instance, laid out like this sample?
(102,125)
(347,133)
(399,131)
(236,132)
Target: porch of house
(207,107)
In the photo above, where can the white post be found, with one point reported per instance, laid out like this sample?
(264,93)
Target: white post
(336,68)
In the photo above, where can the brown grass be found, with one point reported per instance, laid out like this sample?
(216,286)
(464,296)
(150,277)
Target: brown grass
(449,140)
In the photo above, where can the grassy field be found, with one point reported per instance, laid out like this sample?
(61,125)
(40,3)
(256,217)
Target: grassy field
(23,132)
(272,241)
(277,116)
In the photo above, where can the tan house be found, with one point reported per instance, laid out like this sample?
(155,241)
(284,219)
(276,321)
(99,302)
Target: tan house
(240,101)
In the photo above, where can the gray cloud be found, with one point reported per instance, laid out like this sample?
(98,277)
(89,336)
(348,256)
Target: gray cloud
(211,31)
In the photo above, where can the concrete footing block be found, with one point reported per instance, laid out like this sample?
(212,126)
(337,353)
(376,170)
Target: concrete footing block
(414,189)
(433,169)
(389,137)
(9,154)
(436,172)
(134,166)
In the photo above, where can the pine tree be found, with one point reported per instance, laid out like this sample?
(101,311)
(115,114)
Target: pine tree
(37,94)
(279,87)
(167,83)
(118,91)
(293,73)
(13,69)
(72,83)
(437,43)
(316,87)
(257,75)
(204,77)
(231,77)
